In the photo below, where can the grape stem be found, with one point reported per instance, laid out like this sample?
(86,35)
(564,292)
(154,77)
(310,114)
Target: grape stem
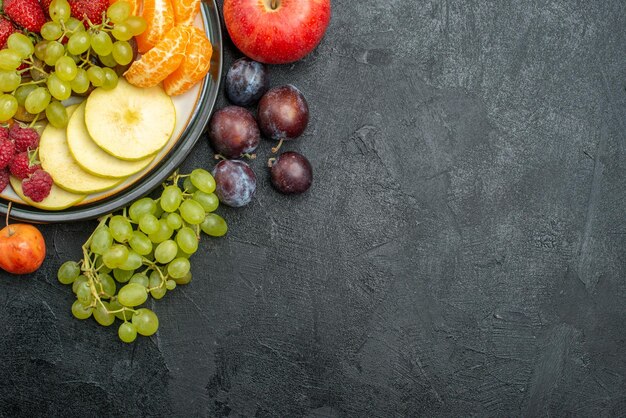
(270,162)
(277,147)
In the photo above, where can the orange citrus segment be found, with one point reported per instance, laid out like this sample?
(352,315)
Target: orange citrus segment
(159,15)
(134,6)
(185,11)
(160,61)
(194,66)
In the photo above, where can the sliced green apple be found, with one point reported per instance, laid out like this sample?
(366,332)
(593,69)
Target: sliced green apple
(57,160)
(91,157)
(58,199)
(129,122)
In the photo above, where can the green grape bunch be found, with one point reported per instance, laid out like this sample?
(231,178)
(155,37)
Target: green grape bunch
(146,250)
(40,70)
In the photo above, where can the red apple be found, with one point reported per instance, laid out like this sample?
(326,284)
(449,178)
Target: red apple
(22,248)
(276,31)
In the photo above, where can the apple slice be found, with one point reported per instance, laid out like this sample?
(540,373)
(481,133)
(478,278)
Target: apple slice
(91,157)
(58,199)
(57,160)
(128,122)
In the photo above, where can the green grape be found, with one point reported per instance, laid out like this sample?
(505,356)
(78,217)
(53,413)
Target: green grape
(21,44)
(158,293)
(81,311)
(165,251)
(188,186)
(214,225)
(101,240)
(141,206)
(170,284)
(122,52)
(209,201)
(65,68)
(155,280)
(139,278)
(171,198)
(108,286)
(121,229)
(133,294)
(83,293)
(163,233)
(133,262)
(110,79)
(122,276)
(127,332)
(59,89)
(102,316)
(203,180)
(107,60)
(9,59)
(115,256)
(114,305)
(186,279)
(54,51)
(187,240)
(192,212)
(79,280)
(178,268)
(80,83)
(37,100)
(8,107)
(51,31)
(22,93)
(100,267)
(57,114)
(119,11)
(40,49)
(68,272)
(136,24)
(101,43)
(140,243)
(95,74)
(174,221)
(122,32)
(74,25)
(182,254)
(59,10)
(78,43)
(148,223)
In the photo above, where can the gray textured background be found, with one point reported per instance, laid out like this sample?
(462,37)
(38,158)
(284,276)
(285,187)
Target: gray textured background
(462,251)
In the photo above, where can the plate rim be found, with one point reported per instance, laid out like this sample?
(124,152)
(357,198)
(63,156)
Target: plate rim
(164,168)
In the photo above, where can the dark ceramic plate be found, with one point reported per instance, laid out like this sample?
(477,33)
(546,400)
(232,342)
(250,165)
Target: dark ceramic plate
(193,111)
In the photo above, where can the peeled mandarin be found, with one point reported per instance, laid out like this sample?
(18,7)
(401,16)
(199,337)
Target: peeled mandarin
(185,11)
(194,66)
(160,61)
(159,15)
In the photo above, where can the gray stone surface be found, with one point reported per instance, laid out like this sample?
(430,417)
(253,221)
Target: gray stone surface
(461,253)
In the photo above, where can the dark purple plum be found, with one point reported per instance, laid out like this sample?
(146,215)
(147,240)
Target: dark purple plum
(235,183)
(291,173)
(283,113)
(246,82)
(233,131)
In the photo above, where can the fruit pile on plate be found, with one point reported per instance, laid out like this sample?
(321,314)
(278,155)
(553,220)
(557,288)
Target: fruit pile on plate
(94,78)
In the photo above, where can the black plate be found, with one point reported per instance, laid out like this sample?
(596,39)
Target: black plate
(167,165)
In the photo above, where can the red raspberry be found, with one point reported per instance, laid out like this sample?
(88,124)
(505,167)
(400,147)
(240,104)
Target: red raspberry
(37,186)
(6,29)
(24,138)
(45,5)
(4,179)
(22,166)
(26,13)
(7,152)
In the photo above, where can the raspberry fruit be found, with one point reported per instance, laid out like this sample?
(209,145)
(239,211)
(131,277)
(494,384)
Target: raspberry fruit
(26,13)
(4,179)
(6,29)
(24,138)
(37,187)
(89,10)
(7,152)
(23,165)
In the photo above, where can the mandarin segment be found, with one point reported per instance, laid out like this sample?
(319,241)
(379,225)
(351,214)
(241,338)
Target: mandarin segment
(159,14)
(160,61)
(194,66)
(185,11)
